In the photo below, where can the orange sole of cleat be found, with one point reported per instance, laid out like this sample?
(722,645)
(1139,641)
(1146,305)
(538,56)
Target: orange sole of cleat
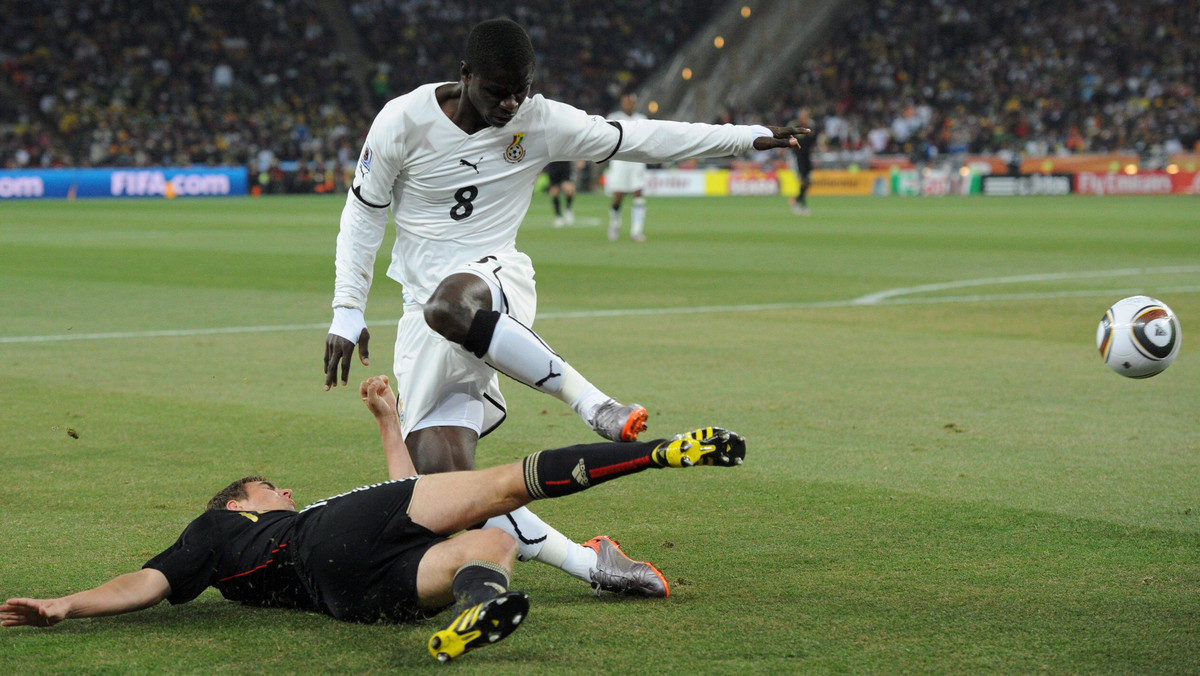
(635,425)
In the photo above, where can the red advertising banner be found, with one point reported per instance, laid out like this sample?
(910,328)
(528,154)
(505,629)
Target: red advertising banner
(1141,183)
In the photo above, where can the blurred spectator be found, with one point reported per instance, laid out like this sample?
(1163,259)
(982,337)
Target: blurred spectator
(1029,77)
(267,83)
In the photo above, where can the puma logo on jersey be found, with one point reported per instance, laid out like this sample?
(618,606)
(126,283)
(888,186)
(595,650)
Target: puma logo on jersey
(550,375)
(474,165)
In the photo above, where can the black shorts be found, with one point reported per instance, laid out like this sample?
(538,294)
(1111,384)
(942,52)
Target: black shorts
(358,553)
(559,172)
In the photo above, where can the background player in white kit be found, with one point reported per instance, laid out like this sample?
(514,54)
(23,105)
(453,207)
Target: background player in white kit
(626,178)
(456,163)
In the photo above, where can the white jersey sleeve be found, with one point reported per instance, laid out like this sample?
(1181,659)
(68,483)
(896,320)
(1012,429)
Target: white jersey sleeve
(365,216)
(666,141)
(576,135)
(637,139)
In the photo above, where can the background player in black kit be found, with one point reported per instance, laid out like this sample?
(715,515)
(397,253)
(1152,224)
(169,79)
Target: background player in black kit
(380,552)
(561,183)
(803,154)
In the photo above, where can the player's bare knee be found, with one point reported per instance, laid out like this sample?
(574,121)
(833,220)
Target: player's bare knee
(496,545)
(453,304)
(447,318)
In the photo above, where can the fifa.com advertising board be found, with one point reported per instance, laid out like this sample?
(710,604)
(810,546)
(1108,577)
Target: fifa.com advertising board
(161,182)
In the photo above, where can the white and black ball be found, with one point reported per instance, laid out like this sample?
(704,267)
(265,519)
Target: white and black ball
(1138,337)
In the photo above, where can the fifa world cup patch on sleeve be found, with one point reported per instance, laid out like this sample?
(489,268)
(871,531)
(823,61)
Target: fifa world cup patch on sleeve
(515,152)
(365,161)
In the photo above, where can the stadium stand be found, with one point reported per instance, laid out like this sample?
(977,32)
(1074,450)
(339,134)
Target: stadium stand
(1029,77)
(287,87)
(272,84)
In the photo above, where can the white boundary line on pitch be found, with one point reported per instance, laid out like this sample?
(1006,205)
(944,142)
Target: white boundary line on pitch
(881,298)
(877,298)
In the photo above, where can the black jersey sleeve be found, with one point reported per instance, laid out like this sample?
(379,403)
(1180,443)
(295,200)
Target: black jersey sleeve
(190,565)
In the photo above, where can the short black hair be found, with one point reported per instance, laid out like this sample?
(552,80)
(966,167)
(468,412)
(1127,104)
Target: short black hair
(498,44)
(234,491)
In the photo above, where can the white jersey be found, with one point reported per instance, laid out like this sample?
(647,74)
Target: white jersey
(622,116)
(457,197)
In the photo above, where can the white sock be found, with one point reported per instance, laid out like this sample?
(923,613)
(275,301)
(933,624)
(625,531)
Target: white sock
(538,541)
(588,400)
(639,216)
(522,355)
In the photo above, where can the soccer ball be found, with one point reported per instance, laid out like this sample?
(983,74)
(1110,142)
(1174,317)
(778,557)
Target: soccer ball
(1138,337)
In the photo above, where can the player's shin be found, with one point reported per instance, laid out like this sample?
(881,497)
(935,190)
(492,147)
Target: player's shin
(563,471)
(477,581)
(539,541)
(518,352)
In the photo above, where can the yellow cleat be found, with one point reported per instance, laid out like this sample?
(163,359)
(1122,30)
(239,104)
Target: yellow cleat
(480,625)
(705,446)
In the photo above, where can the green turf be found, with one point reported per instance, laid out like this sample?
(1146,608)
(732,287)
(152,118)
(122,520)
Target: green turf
(942,476)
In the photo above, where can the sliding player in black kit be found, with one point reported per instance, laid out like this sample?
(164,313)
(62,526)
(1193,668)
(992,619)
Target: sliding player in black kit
(380,552)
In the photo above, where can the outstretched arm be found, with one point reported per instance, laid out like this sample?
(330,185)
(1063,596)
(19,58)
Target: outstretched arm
(122,594)
(668,141)
(377,394)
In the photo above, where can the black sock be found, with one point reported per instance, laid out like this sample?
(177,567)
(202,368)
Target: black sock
(477,581)
(563,471)
(479,335)
(557,206)
(570,200)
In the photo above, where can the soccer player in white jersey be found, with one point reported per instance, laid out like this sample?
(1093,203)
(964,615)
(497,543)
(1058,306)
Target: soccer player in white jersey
(456,164)
(625,178)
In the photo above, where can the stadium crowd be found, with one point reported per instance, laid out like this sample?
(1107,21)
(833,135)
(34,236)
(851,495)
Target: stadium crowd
(587,52)
(1029,76)
(271,84)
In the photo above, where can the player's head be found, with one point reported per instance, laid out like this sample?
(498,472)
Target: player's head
(497,70)
(628,102)
(252,494)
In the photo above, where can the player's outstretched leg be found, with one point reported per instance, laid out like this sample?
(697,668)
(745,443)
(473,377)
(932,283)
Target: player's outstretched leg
(616,572)
(482,624)
(563,471)
(485,610)
(517,351)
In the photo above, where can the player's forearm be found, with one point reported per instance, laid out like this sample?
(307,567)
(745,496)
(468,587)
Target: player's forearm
(123,594)
(399,462)
(667,141)
(359,238)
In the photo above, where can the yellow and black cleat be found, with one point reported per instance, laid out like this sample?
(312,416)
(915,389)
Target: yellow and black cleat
(705,446)
(480,625)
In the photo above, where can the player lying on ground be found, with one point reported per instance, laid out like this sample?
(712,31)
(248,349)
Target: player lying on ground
(380,552)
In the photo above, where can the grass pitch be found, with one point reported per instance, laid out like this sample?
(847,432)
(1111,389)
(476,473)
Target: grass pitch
(942,476)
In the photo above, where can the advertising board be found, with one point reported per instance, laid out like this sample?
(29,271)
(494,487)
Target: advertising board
(165,182)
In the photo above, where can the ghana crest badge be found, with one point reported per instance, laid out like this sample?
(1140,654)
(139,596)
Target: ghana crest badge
(515,152)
